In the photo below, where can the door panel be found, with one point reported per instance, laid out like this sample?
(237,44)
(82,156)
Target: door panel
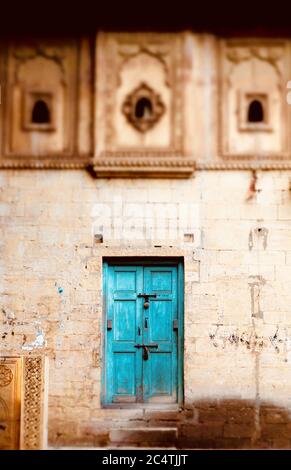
(134,373)
(160,316)
(124,320)
(124,375)
(160,371)
(160,375)
(124,361)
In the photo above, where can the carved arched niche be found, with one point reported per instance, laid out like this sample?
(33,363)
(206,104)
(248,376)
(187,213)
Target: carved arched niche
(143,77)
(252,105)
(140,104)
(40,109)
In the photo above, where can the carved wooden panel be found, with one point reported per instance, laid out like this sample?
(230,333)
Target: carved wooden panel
(32,419)
(22,402)
(10,381)
(139,106)
(253,105)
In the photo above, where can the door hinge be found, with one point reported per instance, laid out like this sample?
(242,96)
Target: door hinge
(109,324)
(175,324)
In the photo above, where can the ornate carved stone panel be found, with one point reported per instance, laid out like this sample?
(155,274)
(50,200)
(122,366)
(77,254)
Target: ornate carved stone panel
(45,111)
(139,106)
(10,381)
(143,108)
(32,420)
(253,99)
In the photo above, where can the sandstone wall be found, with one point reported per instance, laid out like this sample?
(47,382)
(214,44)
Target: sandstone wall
(237,295)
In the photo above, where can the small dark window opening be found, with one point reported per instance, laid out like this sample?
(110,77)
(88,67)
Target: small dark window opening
(255,112)
(143,109)
(40,113)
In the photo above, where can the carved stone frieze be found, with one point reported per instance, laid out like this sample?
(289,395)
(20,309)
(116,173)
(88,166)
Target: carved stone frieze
(144,166)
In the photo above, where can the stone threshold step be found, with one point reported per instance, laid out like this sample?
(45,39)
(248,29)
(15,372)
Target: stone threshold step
(144,436)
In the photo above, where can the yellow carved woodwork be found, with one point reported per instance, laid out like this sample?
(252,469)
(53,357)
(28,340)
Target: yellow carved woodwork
(10,375)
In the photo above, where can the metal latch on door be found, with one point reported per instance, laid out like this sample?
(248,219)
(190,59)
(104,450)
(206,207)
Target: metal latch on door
(145,354)
(146,299)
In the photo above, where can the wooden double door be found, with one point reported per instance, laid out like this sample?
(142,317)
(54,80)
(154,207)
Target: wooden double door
(143,333)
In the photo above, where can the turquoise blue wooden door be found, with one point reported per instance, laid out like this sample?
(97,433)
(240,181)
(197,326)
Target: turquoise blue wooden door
(124,330)
(160,371)
(141,334)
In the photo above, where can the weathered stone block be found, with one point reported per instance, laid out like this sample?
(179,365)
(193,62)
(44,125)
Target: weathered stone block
(238,430)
